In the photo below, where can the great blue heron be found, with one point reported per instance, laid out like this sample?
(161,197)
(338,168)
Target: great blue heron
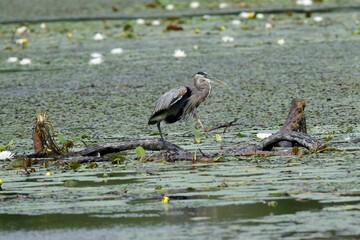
(180,103)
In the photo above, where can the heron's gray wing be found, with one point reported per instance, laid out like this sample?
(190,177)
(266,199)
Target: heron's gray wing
(170,98)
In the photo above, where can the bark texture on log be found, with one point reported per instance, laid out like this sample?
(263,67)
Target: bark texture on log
(292,133)
(296,120)
(301,139)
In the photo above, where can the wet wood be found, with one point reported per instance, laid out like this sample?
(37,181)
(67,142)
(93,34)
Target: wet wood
(293,133)
(224,125)
(267,144)
(295,121)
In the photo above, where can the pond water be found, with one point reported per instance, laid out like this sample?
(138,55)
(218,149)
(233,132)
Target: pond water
(308,196)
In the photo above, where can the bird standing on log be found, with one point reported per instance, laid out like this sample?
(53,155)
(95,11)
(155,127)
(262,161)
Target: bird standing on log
(181,103)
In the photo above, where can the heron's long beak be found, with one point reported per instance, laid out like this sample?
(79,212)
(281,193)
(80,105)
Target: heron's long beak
(215,81)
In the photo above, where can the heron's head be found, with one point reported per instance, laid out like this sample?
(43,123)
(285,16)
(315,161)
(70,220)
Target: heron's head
(203,79)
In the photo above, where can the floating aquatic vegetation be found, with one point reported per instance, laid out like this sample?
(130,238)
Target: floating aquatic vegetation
(140,152)
(7,146)
(98,37)
(263,135)
(223,5)
(317,19)
(174,27)
(260,16)
(304,2)
(43,136)
(96,55)
(116,51)
(140,21)
(21,31)
(268,26)
(96,61)
(21,41)
(25,61)
(281,41)
(155,23)
(218,137)
(169,7)
(247,15)
(197,135)
(235,22)
(178,53)
(165,200)
(128,31)
(227,39)
(206,17)
(194,5)
(43,26)
(12,59)
(6,155)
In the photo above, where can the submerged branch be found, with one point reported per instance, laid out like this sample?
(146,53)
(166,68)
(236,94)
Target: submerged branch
(225,126)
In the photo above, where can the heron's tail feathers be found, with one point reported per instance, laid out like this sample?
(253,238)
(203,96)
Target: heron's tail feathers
(157,117)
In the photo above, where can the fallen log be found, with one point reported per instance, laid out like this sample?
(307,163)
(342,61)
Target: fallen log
(292,133)
(266,145)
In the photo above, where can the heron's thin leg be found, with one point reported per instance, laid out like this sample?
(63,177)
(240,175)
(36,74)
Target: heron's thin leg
(162,139)
(199,121)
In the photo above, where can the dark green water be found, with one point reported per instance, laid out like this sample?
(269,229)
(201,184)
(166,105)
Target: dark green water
(292,197)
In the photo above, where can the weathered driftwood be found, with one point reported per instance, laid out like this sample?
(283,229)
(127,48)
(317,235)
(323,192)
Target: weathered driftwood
(292,133)
(266,145)
(172,151)
(224,125)
(295,121)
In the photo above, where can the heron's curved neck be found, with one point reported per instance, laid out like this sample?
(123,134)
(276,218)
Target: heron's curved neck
(204,90)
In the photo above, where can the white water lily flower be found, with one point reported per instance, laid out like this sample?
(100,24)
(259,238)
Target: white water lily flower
(12,59)
(194,5)
(117,51)
(304,2)
(98,37)
(206,17)
(268,26)
(43,26)
(96,61)
(236,22)
(96,55)
(227,39)
(178,53)
(281,41)
(260,16)
(348,138)
(21,30)
(155,23)
(21,41)
(169,7)
(263,135)
(140,21)
(317,19)
(247,15)
(223,5)
(25,61)
(6,155)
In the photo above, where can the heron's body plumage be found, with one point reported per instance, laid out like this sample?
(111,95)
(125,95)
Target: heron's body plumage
(181,102)
(170,106)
